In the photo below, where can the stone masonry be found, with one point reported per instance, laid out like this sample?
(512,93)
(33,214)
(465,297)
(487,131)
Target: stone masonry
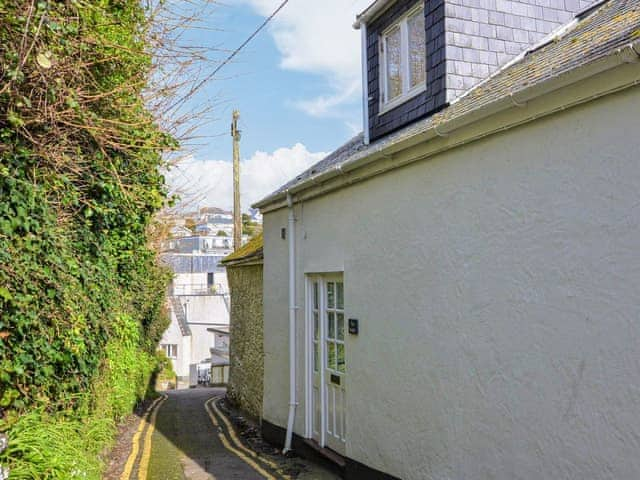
(246,352)
(483,35)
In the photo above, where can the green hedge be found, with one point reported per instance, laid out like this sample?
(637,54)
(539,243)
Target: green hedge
(81,292)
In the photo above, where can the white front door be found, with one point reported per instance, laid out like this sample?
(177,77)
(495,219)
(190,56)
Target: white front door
(327,324)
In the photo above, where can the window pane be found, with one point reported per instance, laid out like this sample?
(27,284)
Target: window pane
(417,52)
(331,355)
(393,52)
(331,295)
(315,357)
(341,361)
(331,325)
(340,295)
(316,326)
(341,326)
(315,295)
(170,349)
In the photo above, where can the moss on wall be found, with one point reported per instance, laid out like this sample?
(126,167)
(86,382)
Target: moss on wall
(246,350)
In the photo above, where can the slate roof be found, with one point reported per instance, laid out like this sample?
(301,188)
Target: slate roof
(598,32)
(191,263)
(251,252)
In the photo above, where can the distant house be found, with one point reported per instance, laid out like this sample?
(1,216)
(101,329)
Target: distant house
(198,301)
(200,244)
(180,231)
(190,341)
(215,215)
(220,355)
(210,229)
(196,273)
(244,270)
(453,294)
(212,220)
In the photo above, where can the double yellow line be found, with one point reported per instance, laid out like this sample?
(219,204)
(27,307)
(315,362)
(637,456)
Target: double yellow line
(143,468)
(235,445)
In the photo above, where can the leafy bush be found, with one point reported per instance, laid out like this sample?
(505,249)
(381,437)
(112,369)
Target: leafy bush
(70,443)
(81,292)
(129,371)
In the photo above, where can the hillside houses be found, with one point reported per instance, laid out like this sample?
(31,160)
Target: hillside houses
(197,337)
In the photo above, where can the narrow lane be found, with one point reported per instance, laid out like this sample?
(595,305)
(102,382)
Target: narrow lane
(184,435)
(187,445)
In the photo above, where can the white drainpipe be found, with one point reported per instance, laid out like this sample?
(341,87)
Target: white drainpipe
(292,325)
(365,83)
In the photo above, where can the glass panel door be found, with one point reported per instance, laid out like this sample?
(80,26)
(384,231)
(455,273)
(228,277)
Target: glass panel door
(335,364)
(327,361)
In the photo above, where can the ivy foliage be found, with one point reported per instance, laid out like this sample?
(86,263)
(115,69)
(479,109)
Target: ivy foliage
(80,182)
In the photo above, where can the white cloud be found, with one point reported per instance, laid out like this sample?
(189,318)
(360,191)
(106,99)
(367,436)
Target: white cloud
(317,37)
(210,182)
(327,105)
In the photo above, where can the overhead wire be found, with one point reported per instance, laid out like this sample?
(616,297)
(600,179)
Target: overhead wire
(244,44)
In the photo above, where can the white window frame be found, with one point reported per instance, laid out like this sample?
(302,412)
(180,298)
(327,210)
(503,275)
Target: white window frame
(407,92)
(310,279)
(167,347)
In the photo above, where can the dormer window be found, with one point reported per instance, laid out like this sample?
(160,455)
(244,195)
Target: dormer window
(420,55)
(403,59)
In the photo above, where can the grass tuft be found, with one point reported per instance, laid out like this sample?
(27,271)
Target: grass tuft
(42,446)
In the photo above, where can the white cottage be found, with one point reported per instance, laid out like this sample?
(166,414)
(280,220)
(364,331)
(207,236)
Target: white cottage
(454,293)
(198,301)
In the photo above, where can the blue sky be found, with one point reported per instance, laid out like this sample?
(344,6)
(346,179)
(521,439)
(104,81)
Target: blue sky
(297,86)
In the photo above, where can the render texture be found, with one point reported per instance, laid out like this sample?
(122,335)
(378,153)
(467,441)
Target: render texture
(497,289)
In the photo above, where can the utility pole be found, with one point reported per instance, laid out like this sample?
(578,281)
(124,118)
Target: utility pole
(237,215)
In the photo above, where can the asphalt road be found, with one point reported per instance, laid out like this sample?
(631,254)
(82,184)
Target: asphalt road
(186,436)
(186,443)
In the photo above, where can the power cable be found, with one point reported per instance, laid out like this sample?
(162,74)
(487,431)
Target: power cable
(244,44)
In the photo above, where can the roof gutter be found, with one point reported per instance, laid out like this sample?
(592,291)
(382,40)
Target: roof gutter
(629,53)
(371,12)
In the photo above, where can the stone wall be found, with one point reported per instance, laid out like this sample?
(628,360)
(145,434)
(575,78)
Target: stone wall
(246,351)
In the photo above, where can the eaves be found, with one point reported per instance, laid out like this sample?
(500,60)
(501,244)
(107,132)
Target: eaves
(614,72)
(375,9)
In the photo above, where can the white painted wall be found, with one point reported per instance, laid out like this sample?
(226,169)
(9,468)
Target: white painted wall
(221,281)
(204,312)
(173,335)
(497,290)
(189,283)
(196,283)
